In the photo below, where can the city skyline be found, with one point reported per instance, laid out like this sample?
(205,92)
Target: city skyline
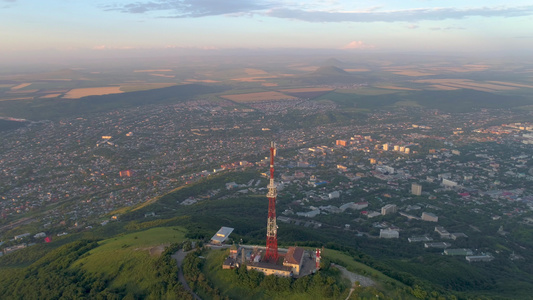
(98,28)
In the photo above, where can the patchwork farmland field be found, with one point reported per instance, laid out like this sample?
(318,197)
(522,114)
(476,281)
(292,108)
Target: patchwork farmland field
(97,91)
(466,84)
(254,97)
(309,93)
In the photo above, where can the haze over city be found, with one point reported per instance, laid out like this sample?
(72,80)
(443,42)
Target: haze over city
(34,29)
(182,149)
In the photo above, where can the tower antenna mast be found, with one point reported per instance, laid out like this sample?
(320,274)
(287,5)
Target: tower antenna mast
(272,229)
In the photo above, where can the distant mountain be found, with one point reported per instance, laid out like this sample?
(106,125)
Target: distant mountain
(329,75)
(330,71)
(333,62)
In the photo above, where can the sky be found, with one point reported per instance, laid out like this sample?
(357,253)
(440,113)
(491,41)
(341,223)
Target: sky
(69,27)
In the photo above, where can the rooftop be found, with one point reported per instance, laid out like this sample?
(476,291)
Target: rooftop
(294,256)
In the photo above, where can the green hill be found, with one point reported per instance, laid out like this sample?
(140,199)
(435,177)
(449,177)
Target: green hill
(131,266)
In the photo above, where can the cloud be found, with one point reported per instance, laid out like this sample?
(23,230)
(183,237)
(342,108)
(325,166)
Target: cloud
(104,47)
(192,8)
(304,11)
(412,26)
(358,45)
(408,15)
(447,28)
(7,5)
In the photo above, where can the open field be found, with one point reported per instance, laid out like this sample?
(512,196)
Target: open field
(304,68)
(512,84)
(307,93)
(202,80)
(129,259)
(306,90)
(253,72)
(391,87)
(366,91)
(50,96)
(443,87)
(96,91)
(142,86)
(20,86)
(19,98)
(162,75)
(467,84)
(428,70)
(357,70)
(356,267)
(253,97)
(254,79)
(408,103)
(408,72)
(153,70)
(461,69)
(22,91)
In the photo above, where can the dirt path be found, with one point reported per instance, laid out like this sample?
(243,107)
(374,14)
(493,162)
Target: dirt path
(179,256)
(363,281)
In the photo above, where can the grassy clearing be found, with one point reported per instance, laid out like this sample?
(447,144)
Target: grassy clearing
(219,277)
(126,259)
(351,265)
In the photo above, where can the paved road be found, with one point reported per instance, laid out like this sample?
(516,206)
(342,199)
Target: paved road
(179,256)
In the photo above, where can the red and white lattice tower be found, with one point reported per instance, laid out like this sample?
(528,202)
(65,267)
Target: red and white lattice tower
(272,229)
(317,258)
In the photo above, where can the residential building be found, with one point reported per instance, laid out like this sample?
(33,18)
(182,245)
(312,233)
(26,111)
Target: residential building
(442,245)
(426,216)
(483,257)
(463,252)
(442,232)
(389,209)
(416,189)
(388,234)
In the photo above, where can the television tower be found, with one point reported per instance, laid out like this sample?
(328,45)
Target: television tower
(272,229)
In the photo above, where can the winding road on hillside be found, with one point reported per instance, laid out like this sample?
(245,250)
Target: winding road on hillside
(179,256)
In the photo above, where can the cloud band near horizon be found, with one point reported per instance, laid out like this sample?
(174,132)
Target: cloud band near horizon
(410,15)
(204,8)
